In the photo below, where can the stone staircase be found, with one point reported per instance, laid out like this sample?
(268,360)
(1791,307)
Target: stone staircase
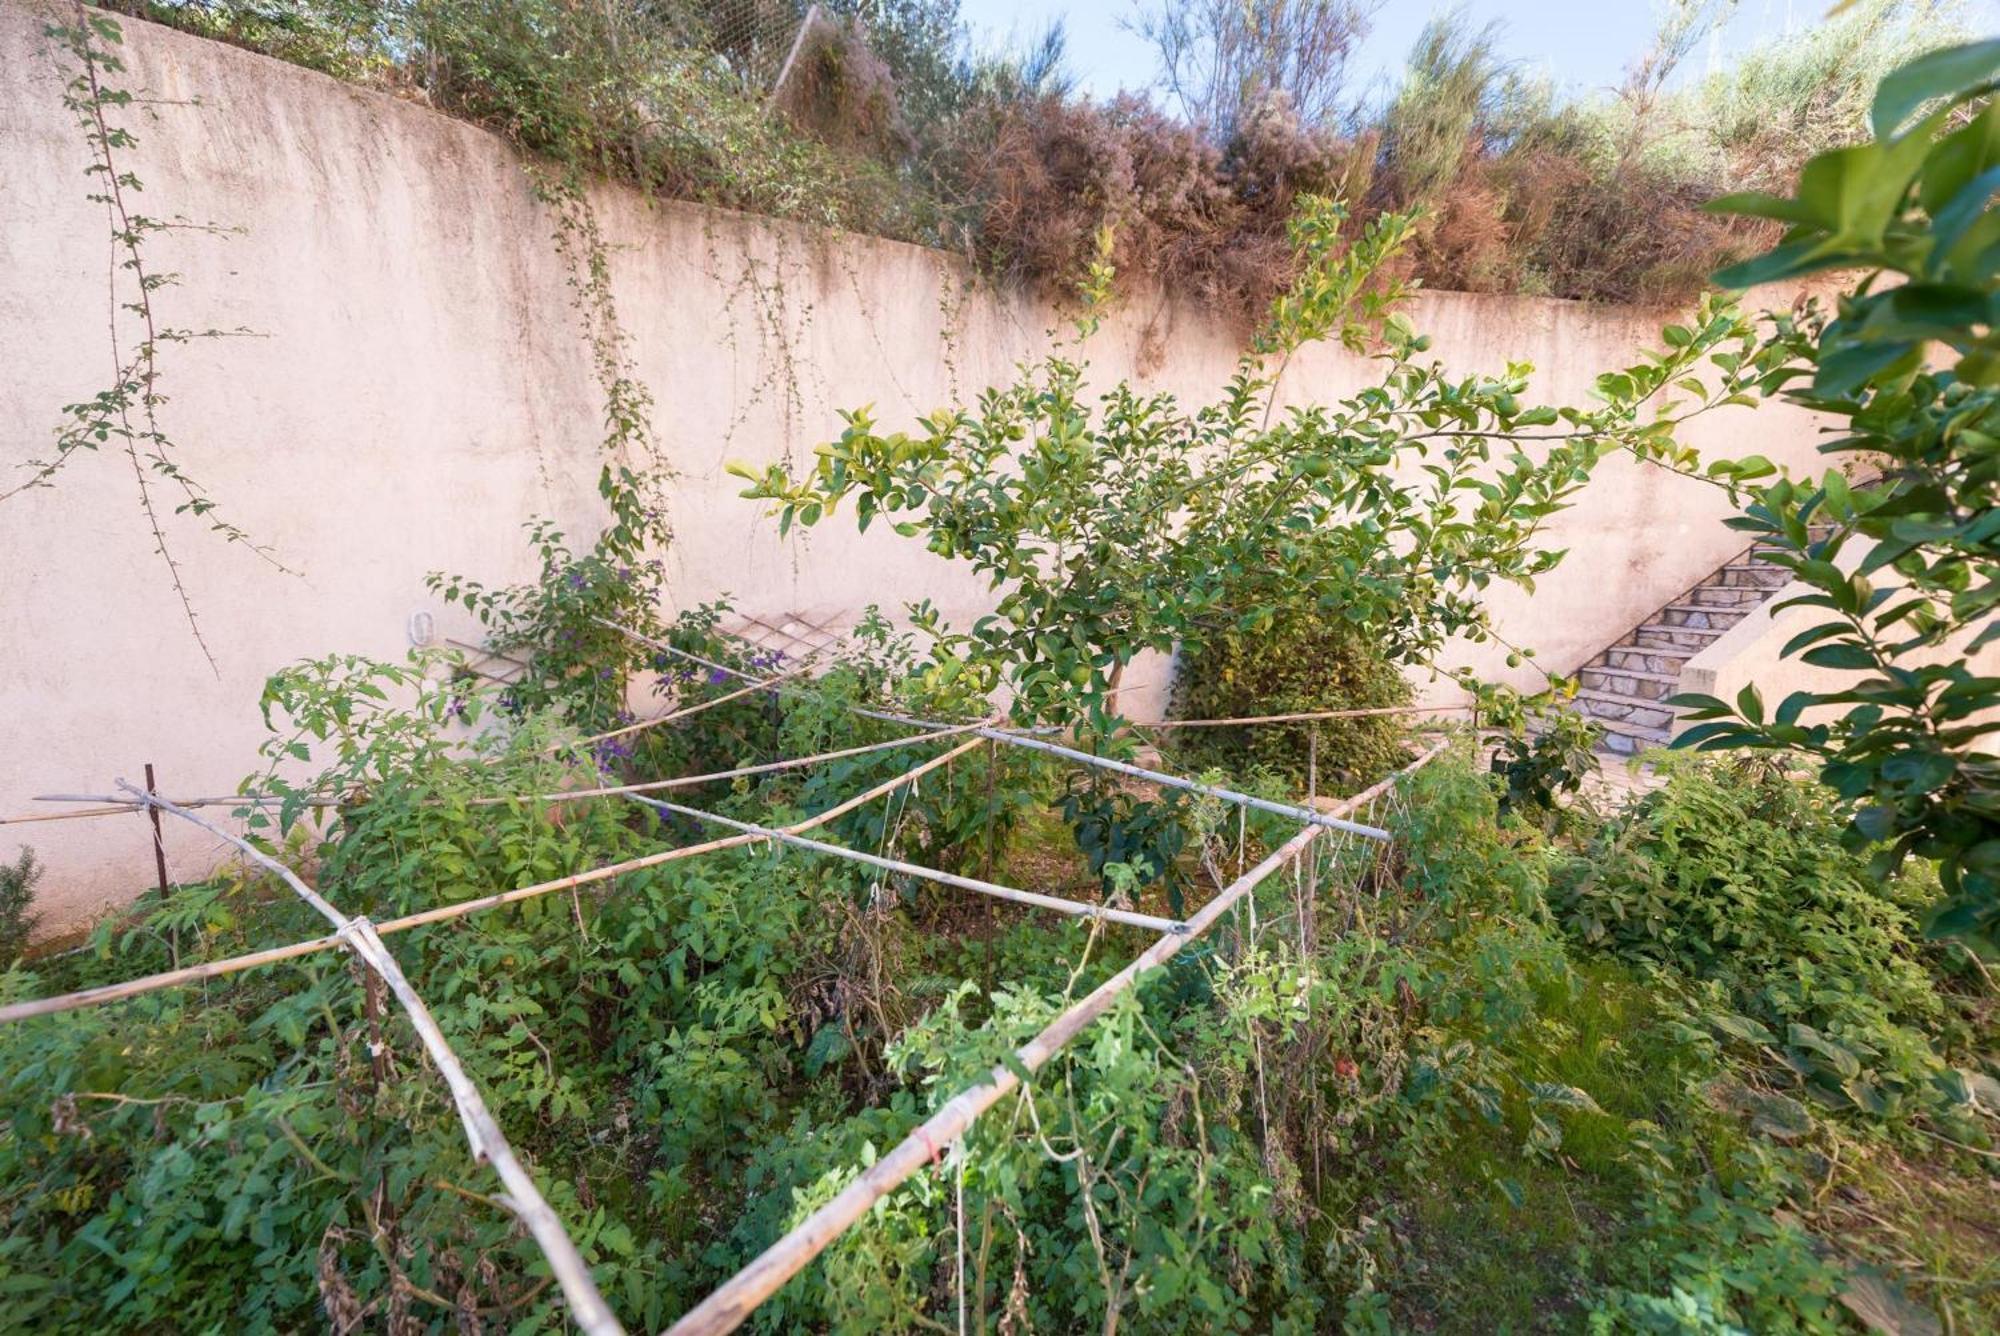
(1624,686)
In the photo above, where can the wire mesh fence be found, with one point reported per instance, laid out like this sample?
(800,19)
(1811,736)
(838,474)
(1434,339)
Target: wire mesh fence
(755,38)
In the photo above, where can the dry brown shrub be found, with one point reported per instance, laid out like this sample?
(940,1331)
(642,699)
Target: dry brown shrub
(1206,223)
(842,93)
(1469,241)
(1628,235)
(1541,220)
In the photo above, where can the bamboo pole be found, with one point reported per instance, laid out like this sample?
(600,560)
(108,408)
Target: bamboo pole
(566,795)
(994,889)
(115,992)
(715,776)
(1308,716)
(1016,739)
(727,1307)
(1165,780)
(115,808)
(523,1198)
(463,907)
(118,992)
(696,708)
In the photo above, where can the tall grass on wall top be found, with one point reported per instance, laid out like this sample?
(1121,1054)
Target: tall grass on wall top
(896,126)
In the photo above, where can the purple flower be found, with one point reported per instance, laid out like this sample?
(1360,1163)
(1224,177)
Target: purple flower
(716,677)
(607,751)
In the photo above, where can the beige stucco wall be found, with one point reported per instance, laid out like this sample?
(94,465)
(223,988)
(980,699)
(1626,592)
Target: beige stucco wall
(1748,652)
(416,388)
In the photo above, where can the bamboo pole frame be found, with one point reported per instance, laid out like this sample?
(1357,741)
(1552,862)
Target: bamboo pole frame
(1310,716)
(116,992)
(117,808)
(1015,739)
(482,1133)
(728,1306)
(992,888)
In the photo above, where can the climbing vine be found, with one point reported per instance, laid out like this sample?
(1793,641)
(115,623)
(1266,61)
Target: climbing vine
(557,621)
(127,411)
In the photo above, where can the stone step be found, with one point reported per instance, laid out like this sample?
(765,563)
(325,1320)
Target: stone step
(1640,683)
(1753,575)
(1726,596)
(1653,635)
(1701,617)
(1651,658)
(1621,737)
(1608,708)
(1620,742)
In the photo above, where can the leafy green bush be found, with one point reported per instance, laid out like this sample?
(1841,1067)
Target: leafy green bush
(1903,565)
(1545,751)
(1305,662)
(1734,877)
(17,901)
(1109,524)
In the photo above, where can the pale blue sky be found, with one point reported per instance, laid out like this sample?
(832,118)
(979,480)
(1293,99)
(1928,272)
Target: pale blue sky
(1581,44)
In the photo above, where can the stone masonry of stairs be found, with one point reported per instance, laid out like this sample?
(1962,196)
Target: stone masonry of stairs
(1624,688)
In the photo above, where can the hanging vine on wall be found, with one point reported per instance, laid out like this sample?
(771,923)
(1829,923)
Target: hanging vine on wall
(128,410)
(559,619)
(781,331)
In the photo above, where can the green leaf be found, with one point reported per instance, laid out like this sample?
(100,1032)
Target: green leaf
(1757,204)
(1564,1096)
(1921,771)
(1728,731)
(1779,1117)
(1813,636)
(1793,705)
(1839,1055)
(1742,1027)
(1950,73)
(1847,656)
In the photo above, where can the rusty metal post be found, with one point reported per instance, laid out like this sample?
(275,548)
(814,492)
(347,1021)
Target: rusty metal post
(159,840)
(1309,905)
(160,866)
(992,779)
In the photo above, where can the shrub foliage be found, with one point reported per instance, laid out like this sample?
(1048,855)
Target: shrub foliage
(1303,663)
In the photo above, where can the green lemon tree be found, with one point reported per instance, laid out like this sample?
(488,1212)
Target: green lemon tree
(1908,368)
(1116,521)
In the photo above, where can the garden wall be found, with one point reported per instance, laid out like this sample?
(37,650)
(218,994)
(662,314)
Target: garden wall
(414,387)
